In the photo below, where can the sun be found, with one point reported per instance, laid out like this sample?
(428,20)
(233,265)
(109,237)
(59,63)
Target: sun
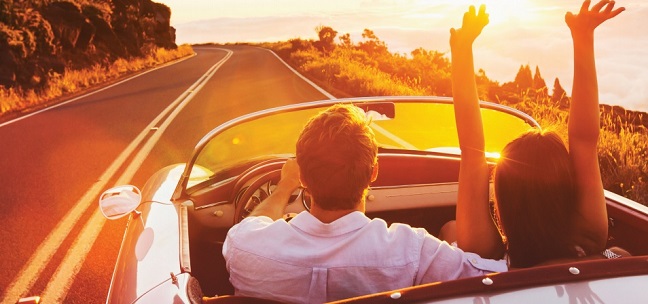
(505,11)
(502,11)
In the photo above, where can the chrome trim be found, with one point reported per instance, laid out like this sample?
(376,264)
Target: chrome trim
(435,155)
(185,257)
(411,186)
(212,205)
(609,195)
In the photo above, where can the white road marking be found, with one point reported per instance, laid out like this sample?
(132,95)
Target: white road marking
(94,92)
(329,96)
(77,253)
(63,278)
(393,137)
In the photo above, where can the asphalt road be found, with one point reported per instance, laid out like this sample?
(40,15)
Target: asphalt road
(55,163)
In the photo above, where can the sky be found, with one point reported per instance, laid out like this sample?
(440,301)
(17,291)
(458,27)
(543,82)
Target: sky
(520,32)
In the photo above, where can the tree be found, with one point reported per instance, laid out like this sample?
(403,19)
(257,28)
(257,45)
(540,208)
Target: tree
(488,90)
(345,40)
(508,92)
(559,96)
(372,45)
(327,36)
(524,79)
(539,84)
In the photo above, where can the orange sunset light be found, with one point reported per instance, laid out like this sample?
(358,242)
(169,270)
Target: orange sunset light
(501,11)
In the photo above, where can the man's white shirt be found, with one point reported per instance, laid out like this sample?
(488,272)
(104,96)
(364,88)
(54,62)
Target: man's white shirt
(307,261)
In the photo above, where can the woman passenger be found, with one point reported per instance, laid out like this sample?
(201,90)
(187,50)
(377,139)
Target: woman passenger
(549,198)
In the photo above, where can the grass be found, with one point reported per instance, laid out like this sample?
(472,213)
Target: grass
(623,150)
(349,75)
(622,147)
(73,81)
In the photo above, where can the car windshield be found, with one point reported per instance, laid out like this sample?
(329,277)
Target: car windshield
(417,124)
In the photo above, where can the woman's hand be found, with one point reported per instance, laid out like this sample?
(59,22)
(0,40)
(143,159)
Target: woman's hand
(473,23)
(588,19)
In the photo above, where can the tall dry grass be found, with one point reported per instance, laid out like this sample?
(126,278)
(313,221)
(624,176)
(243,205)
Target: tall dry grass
(345,73)
(622,147)
(73,81)
(623,154)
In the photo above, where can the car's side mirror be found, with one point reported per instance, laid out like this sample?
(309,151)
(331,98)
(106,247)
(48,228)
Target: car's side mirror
(119,201)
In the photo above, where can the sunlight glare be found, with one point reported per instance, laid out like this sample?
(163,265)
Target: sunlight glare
(494,155)
(499,11)
(502,11)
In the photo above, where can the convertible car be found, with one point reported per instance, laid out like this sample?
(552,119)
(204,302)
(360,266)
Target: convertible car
(171,250)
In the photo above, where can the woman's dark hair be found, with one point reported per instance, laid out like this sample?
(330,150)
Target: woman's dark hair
(535,198)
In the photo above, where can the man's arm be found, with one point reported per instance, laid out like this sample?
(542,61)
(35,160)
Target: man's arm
(273,206)
(584,123)
(440,261)
(475,231)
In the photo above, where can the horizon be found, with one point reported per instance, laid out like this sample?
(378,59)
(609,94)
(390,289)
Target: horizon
(520,32)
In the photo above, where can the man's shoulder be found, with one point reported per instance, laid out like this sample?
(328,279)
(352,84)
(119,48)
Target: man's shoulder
(399,230)
(256,232)
(252,225)
(261,219)
(405,228)
(251,221)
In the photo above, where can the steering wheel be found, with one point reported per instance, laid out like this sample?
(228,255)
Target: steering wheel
(266,172)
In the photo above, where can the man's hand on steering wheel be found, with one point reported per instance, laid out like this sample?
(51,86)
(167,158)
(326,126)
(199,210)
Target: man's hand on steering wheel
(290,175)
(274,206)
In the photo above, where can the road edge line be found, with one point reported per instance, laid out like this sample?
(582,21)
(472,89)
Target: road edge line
(327,94)
(95,91)
(330,96)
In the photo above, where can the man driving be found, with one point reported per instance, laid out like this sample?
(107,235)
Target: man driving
(335,251)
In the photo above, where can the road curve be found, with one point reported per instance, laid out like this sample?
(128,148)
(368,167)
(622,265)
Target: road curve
(52,161)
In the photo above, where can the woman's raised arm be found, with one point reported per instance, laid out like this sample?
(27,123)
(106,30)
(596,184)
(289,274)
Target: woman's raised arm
(475,229)
(584,119)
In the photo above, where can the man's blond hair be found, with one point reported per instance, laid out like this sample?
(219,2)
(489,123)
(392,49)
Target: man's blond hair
(336,153)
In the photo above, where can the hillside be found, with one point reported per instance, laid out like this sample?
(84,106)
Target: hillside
(40,37)
(43,41)
(367,68)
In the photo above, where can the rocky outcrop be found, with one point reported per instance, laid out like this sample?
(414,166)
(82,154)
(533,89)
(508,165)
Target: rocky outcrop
(71,28)
(41,37)
(105,41)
